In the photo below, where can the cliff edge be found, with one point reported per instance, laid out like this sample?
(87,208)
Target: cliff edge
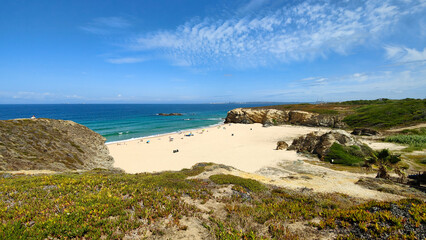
(276,117)
(58,145)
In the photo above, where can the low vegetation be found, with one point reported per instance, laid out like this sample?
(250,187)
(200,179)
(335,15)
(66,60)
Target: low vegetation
(348,155)
(386,113)
(326,108)
(94,204)
(247,184)
(414,138)
(58,145)
(112,205)
(378,220)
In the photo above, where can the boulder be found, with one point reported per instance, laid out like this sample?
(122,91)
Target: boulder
(320,144)
(365,132)
(281,145)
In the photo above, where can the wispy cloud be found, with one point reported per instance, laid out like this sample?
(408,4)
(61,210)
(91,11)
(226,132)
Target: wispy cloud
(32,95)
(252,5)
(404,54)
(106,25)
(395,83)
(125,60)
(307,30)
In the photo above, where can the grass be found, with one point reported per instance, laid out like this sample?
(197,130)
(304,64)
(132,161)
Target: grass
(415,142)
(414,138)
(48,144)
(347,155)
(325,111)
(248,184)
(416,131)
(379,114)
(386,113)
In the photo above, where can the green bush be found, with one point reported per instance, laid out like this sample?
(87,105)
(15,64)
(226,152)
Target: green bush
(347,155)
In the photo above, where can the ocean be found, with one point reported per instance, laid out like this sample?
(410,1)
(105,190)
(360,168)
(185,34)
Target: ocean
(118,122)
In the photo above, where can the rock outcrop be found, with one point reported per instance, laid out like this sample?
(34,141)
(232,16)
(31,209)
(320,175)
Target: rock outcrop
(365,132)
(34,144)
(269,117)
(319,144)
(170,114)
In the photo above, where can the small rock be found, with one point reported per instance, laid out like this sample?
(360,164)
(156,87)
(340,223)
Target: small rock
(281,145)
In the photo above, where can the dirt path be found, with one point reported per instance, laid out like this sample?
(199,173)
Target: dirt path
(411,127)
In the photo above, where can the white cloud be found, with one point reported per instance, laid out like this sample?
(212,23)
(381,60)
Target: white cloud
(125,60)
(404,54)
(293,33)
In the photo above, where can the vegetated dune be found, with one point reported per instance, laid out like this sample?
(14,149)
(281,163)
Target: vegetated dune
(34,144)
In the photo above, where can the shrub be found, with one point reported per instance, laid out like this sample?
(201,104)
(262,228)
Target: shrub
(415,142)
(384,160)
(347,155)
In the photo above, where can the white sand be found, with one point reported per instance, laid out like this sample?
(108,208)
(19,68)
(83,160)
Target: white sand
(248,150)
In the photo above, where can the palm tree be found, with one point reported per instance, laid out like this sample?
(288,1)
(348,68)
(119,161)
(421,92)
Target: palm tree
(385,161)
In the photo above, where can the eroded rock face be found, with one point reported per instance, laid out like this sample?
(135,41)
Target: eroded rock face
(281,145)
(34,144)
(319,144)
(269,117)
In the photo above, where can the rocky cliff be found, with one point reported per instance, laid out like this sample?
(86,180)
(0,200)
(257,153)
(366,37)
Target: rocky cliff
(31,144)
(277,117)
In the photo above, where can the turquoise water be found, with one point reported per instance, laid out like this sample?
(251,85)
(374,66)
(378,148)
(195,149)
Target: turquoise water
(119,122)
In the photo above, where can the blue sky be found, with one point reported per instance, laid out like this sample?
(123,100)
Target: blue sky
(201,51)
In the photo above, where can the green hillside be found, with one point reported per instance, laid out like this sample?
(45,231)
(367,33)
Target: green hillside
(378,114)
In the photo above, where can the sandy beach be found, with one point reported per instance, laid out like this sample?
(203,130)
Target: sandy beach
(250,148)
(245,147)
